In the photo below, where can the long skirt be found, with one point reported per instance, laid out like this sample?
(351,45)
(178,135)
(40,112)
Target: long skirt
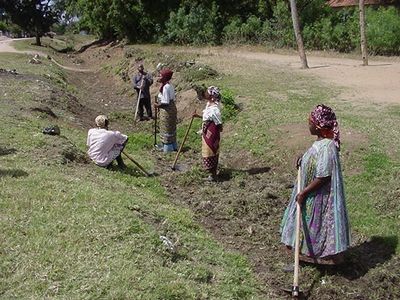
(210,145)
(325,229)
(168,118)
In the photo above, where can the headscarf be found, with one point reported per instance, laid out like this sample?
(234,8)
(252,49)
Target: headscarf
(101,121)
(166,75)
(324,118)
(213,91)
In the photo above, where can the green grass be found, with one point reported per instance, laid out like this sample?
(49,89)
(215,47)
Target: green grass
(79,231)
(279,98)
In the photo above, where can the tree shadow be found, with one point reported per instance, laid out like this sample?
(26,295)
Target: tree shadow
(7,151)
(13,173)
(227,174)
(364,257)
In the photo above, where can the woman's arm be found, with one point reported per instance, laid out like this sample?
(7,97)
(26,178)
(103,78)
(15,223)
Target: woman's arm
(312,187)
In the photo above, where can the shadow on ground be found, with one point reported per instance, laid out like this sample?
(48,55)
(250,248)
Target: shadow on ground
(7,151)
(227,174)
(13,173)
(364,257)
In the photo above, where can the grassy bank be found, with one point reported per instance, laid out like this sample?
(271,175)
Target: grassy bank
(70,229)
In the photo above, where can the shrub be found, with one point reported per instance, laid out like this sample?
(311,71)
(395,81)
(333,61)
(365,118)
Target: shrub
(383,30)
(283,35)
(196,24)
(230,108)
(337,31)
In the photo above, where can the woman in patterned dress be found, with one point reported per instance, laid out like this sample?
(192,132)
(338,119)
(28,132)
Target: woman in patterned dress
(211,131)
(168,112)
(325,232)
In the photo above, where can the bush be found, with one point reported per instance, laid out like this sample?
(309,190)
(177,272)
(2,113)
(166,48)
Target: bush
(282,27)
(230,108)
(198,73)
(338,30)
(192,25)
(383,30)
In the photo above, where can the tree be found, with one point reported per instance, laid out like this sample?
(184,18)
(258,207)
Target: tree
(33,16)
(297,32)
(363,37)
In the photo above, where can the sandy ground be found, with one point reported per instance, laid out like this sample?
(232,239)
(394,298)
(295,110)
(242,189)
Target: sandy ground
(377,83)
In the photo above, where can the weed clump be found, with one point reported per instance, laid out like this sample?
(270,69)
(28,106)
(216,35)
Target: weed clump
(231,109)
(198,73)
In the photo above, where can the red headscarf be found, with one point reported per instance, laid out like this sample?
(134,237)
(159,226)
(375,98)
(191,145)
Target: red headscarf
(324,118)
(166,75)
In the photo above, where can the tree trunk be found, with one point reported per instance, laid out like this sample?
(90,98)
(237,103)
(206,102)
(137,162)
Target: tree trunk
(364,48)
(38,43)
(297,32)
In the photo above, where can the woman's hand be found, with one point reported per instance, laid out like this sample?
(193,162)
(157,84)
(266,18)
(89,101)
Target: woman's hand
(196,115)
(298,161)
(301,197)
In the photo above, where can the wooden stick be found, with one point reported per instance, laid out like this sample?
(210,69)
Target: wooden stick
(295,289)
(138,100)
(155,122)
(136,163)
(183,142)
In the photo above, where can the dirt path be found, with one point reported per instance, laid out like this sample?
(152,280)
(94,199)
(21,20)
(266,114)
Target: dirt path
(5,46)
(377,83)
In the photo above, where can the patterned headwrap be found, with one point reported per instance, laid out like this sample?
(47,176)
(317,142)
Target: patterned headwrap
(101,121)
(324,118)
(214,92)
(166,75)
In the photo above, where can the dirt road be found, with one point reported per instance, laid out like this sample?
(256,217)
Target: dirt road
(377,83)
(5,46)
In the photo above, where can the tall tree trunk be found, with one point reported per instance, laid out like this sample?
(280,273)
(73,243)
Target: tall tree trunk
(297,32)
(364,48)
(38,43)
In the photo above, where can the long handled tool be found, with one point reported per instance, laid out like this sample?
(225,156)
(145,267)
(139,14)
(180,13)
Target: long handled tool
(183,142)
(138,99)
(155,122)
(137,164)
(295,288)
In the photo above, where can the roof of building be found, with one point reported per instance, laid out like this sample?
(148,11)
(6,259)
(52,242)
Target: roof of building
(344,3)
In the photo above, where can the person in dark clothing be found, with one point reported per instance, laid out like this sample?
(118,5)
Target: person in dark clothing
(141,83)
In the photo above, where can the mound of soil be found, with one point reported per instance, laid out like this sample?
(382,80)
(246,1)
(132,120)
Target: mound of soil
(60,150)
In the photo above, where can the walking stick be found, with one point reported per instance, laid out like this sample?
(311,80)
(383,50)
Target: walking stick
(138,100)
(137,164)
(155,122)
(295,288)
(183,142)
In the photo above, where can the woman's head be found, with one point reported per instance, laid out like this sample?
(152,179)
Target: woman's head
(323,122)
(102,121)
(212,94)
(165,75)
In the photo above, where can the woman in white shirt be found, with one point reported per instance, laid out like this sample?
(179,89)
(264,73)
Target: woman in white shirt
(168,112)
(105,145)
(211,132)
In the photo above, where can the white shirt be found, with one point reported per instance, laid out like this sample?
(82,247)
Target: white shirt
(102,145)
(167,95)
(212,112)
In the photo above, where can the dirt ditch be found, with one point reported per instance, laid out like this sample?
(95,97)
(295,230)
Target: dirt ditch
(243,210)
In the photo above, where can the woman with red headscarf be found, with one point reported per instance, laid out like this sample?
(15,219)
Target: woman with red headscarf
(325,232)
(168,112)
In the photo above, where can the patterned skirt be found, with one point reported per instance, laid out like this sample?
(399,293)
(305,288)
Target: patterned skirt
(168,118)
(210,145)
